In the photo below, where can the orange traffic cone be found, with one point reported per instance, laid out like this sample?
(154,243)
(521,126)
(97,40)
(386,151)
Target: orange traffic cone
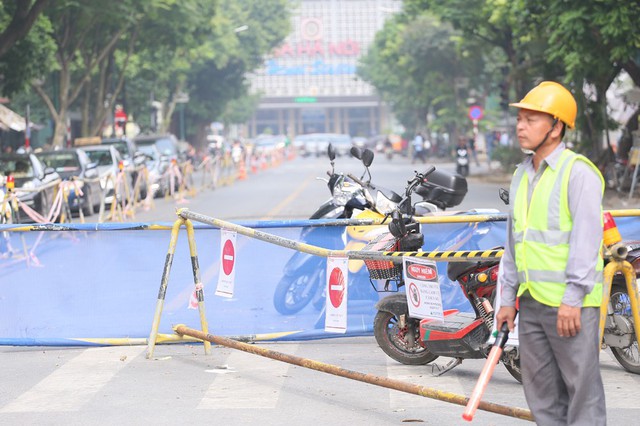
(242,171)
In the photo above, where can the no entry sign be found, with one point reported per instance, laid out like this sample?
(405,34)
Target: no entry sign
(227,275)
(337,290)
(228,257)
(336,287)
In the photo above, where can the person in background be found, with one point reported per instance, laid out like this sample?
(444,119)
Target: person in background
(418,148)
(472,149)
(553,262)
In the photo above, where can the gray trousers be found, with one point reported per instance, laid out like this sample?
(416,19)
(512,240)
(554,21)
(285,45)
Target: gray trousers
(561,375)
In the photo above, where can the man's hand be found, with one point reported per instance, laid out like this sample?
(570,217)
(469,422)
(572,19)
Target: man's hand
(568,320)
(506,314)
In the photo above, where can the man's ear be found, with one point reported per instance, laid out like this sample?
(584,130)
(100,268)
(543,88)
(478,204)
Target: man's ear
(557,131)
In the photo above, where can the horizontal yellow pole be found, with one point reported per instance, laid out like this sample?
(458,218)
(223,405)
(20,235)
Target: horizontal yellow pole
(393,256)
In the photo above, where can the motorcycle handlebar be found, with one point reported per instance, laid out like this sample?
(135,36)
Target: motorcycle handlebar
(356,180)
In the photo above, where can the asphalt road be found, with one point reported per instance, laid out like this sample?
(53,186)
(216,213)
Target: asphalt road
(182,385)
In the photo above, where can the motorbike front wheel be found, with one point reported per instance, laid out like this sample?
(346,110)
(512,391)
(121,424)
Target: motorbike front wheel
(293,293)
(620,304)
(401,343)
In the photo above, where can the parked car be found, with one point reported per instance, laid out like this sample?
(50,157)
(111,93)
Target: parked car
(125,146)
(300,144)
(157,165)
(34,183)
(107,159)
(75,163)
(166,144)
(341,143)
(361,142)
(318,143)
(306,145)
(132,158)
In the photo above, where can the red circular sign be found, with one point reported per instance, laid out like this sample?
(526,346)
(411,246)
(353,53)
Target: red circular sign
(476,113)
(336,287)
(228,257)
(414,294)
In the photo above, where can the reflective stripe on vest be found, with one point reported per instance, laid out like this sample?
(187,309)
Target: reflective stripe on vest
(541,230)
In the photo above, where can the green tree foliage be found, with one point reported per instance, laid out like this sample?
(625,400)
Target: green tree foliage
(27,58)
(418,65)
(583,44)
(17,17)
(102,52)
(244,32)
(592,41)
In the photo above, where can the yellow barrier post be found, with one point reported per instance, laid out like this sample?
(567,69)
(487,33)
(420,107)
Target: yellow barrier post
(617,252)
(164,282)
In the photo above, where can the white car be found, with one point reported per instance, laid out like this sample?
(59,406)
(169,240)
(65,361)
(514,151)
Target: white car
(108,162)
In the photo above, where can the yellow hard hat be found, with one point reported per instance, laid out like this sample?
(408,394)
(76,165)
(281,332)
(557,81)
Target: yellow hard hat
(552,98)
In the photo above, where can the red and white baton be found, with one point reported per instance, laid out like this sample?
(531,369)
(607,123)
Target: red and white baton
(487,372)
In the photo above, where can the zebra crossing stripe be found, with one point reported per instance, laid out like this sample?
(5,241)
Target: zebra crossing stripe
(249,388)
(76,382)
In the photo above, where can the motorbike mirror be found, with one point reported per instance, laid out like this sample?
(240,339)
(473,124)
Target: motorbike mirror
(331,152)
(504,195)
(367,157)
(356,152)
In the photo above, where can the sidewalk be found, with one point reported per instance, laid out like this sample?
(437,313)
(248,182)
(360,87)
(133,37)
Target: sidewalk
(612,200)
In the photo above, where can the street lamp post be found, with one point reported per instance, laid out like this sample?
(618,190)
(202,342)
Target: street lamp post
(182,98)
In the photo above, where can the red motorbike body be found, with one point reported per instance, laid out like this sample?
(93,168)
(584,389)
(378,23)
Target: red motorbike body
(464,334)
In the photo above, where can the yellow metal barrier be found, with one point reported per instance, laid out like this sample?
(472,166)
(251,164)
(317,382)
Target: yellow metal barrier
(618,253)
(452,256)
(153,337)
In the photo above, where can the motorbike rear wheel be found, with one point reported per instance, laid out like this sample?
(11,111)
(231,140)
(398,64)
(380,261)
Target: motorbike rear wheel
(400,343)
(293,293)
(620,304)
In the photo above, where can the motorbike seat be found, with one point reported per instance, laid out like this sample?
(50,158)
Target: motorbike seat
(455,270)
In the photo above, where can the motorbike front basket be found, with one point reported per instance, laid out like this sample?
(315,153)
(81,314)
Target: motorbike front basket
(383,269)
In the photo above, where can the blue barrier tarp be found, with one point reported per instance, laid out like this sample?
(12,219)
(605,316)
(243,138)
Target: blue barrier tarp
(97,282)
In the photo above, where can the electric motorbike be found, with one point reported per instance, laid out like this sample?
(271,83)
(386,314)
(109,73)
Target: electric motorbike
(461,335)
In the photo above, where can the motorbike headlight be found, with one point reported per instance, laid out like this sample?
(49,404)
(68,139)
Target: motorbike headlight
(344,192)
(340,197)
(383,204)
(29,185)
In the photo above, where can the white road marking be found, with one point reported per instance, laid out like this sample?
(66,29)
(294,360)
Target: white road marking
(419,375)
(76,382)
(254,383)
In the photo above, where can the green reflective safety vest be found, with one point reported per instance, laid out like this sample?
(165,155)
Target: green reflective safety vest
(541,231)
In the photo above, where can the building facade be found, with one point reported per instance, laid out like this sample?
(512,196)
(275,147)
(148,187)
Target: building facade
(309,83)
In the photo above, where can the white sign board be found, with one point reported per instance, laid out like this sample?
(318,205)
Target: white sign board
(337,291)
(227,275)
(422,288)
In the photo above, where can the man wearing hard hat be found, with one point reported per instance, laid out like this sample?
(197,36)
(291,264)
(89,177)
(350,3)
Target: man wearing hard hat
(552,262)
